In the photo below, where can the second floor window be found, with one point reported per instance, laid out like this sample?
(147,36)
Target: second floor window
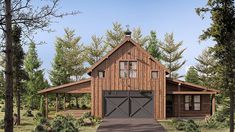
(128,69)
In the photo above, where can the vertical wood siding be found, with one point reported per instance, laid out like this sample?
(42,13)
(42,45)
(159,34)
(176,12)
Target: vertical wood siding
(143,81)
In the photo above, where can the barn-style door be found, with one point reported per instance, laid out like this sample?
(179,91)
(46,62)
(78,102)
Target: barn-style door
(125,104)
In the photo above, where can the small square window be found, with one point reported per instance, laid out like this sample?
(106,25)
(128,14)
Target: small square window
(154,74)
(101,74)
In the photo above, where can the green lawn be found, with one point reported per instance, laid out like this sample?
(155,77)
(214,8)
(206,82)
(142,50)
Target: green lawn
(27,124)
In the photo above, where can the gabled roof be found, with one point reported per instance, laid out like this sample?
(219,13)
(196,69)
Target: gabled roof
(192,85)
(127,39)
(63,86)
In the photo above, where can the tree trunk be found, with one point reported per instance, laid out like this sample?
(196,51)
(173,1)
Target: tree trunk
(18,106)
(231,96)
(8,119)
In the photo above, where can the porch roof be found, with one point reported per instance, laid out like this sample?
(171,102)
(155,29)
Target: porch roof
(82,86)
(205,90)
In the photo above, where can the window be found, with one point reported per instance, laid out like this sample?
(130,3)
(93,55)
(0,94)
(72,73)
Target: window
(101,74)
(124,69)
(154,74)
(128,69)
(192,102)
(196,102)
(132,69)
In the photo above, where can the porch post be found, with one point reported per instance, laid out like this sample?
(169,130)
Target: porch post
(64,102)
(56,102)
(213,104)
(76,101)
(179,102)
(46,109)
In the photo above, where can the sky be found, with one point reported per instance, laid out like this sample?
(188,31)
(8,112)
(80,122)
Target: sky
(162,16)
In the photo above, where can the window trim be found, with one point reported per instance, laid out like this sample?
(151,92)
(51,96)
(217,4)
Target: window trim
(99,74)
(152,76)
(128,69)
(192,102)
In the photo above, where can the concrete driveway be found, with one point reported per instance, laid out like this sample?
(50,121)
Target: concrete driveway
(130,125)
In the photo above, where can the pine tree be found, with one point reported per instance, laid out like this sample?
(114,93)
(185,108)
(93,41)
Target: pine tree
(153,46)
(96,50)
(115,35)
(19,74)
(138,37)
(192,76)
(35,81)
(172,55)
(68,63)
(222,31)
(207,68)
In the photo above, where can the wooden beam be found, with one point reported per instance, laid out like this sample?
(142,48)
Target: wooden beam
(56,107)
(46,105)
(190,92)
(213,104)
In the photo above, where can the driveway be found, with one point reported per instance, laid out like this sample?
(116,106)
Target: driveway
(130,125)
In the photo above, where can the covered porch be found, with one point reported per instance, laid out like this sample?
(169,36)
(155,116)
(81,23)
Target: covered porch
(185,99)
(64,99)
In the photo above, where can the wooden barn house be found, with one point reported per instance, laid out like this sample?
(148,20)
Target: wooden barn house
(129,83)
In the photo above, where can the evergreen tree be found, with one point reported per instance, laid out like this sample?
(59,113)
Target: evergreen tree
(115,35)
(68,62)
(207,68)
(96,50)
(19,74)
(138,37)
(153,46)
(172,55)
(222,31)
(192,76)
(35,81)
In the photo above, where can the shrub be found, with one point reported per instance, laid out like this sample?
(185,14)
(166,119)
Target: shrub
(64,124)
(178,124)
(2,124)
(40,128)
(219,120)
(28,113)
(188,126)
(191,126)
(88,120)
(3,109)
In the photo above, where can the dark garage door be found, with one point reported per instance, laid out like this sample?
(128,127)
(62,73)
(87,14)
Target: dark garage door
(125,104)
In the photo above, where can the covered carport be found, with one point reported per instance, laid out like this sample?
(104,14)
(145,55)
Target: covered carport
(79,87)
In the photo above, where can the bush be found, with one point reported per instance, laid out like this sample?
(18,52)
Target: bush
(188,126)
(64,124)
(88,120)
(40,128)
(179,124)
(219,120)
(191,126)
(28,113)
(3,109)
(2,124)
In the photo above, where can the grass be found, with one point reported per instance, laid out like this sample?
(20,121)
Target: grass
(27,123)
(170,128)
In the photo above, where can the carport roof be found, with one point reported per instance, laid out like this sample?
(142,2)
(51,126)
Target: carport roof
(64,86)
